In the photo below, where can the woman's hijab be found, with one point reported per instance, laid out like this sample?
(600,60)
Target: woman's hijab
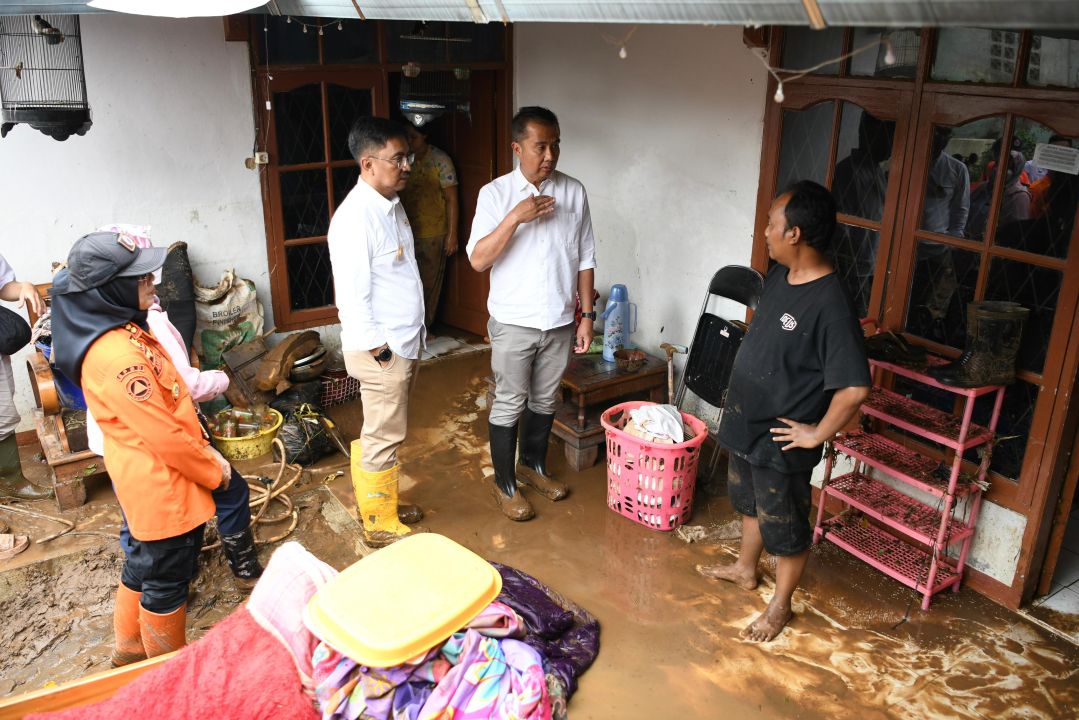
(80,318)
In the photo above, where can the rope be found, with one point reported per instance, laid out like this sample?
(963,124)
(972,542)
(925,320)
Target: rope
(262,495)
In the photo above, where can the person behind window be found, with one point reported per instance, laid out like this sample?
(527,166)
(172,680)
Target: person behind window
(430,201)
(947,196)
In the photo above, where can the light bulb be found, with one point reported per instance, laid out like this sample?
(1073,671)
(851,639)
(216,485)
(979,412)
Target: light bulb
(779,96)
(320,30)
(304,29)
(889,53)
(622,52)
(288,19)
(340,25)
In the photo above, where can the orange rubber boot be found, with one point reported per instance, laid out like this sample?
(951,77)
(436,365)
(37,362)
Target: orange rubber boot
(127,648)
(163,633)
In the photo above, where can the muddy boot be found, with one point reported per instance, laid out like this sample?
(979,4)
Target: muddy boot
(243,558)
(510,501)
(994,330)
(407,513)
(12,482)
(127,647)
(532,461)
(163,633)
(376,500)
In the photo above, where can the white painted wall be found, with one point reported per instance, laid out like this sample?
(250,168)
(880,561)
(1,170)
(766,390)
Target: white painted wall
(668,144)
(172,112)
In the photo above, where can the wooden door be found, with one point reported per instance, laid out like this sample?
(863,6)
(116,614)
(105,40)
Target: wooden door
(310,172)
(480,149)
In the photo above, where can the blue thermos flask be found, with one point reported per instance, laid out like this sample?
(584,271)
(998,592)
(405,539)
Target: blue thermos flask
(619,320)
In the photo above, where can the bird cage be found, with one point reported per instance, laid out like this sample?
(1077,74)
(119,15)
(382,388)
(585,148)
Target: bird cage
(428,94)
(42,83)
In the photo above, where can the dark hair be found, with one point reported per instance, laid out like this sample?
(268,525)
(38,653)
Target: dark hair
(370,134)
(531,114)
(811,208)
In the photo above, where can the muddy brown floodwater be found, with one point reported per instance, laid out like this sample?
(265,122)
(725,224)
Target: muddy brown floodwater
(859,646)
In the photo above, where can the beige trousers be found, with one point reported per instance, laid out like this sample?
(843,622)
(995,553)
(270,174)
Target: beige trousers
(384,391)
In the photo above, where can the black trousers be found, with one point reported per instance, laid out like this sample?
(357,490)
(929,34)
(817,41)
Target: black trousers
(162,569)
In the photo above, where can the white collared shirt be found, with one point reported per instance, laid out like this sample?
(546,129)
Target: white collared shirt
(534,281)
(376,280)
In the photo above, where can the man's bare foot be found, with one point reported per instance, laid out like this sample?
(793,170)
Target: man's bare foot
(767,625)
(731,573)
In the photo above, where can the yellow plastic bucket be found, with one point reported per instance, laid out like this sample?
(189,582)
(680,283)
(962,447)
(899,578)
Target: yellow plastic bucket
(250,446)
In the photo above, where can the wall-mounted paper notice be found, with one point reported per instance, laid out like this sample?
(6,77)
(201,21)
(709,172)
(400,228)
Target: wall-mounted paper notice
(1055,157)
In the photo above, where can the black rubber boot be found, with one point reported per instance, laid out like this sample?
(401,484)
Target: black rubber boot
(532,461)
(177,291)
(243,557)
(12,482)
(512,503)
(994,331)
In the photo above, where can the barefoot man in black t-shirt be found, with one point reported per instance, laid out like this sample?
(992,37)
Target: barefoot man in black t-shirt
(799,377)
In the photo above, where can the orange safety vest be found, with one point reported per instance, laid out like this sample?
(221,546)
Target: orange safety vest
(159,458)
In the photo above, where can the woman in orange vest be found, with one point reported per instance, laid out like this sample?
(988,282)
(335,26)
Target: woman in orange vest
(159,459)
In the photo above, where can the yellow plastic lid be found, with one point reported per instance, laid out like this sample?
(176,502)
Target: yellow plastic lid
(399,602)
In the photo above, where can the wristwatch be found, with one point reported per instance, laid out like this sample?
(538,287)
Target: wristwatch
(385,355)
(591,315)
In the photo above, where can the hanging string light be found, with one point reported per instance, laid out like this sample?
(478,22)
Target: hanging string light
(790,75)
(320,27)
(620,43)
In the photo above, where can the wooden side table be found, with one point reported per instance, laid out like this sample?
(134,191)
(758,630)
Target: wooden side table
(591,385)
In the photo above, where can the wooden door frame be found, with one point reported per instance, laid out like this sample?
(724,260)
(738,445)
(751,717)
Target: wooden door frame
(1056,476)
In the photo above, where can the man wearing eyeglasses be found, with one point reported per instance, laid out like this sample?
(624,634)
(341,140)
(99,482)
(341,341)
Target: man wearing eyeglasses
(533,230)
(379,300)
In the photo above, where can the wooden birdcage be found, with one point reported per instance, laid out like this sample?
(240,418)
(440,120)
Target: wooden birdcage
(42,83)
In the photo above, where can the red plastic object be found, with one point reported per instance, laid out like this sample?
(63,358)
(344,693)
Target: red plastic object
(650,483)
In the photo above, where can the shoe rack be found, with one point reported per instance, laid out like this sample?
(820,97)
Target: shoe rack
(883,523)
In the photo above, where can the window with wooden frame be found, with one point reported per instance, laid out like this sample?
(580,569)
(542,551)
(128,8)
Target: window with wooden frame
(313,78)
(952,211)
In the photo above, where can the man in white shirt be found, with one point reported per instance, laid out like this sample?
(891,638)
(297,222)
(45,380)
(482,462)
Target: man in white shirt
(533,230)
(379,300)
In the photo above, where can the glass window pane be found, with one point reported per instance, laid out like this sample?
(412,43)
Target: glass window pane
(959,159)
(804,47)
(807,139)
(344,179)
(345,105)
(1038,207)
(976,55)
(487,43)
(417,41)
(943,284)
(855,255)
(287,43)
(871,63)
(1013,427)
(355,42)
(860,181)
(298,124)
(1054,59)
(310,279)
(1035,288)
(303,204)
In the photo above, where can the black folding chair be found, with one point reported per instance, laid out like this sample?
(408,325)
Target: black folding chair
(703,388)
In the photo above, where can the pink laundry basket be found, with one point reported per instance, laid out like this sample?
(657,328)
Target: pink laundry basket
(650,483)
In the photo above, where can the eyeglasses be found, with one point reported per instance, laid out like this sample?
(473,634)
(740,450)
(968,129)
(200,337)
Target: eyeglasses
(401,161)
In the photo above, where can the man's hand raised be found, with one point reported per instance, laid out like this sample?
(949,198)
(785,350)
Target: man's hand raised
(532,208)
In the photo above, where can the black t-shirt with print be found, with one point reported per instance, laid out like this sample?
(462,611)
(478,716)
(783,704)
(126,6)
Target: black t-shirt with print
(803,344)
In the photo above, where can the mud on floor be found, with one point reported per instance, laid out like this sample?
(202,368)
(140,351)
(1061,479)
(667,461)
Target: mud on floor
(57,613)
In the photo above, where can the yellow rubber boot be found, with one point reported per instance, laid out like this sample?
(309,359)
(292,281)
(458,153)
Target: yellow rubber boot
(376,499)
(407,513)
